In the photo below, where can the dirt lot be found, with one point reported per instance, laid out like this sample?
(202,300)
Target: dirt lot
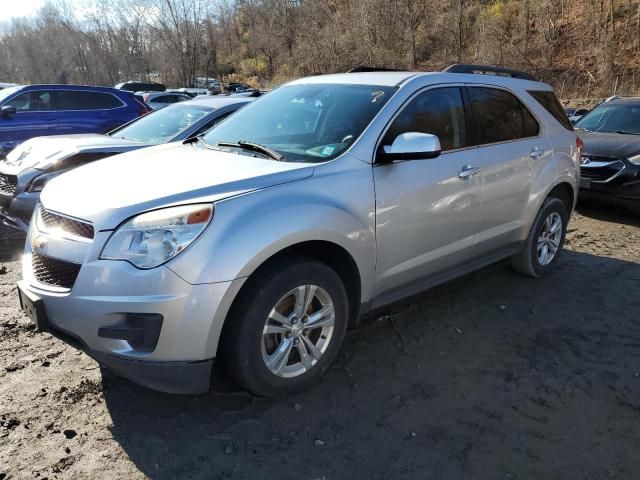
(492,376)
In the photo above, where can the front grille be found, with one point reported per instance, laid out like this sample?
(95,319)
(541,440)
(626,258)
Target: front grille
(600,170)
(54,221)
(8,183)
(52,271)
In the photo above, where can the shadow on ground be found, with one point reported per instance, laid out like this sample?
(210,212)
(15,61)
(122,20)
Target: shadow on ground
(609,212)
(11,244)
(491,376)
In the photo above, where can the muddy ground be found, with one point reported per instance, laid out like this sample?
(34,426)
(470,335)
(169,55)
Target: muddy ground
(492,376)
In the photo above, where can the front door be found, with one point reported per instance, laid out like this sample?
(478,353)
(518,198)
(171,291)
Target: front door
(427,210)
(34,117)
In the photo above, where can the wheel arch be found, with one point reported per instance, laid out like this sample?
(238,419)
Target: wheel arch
(565,193)
(324,251)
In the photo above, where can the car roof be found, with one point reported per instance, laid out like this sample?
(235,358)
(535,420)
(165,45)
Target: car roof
(72,87)
(215,101)
(393,79)
(625,100)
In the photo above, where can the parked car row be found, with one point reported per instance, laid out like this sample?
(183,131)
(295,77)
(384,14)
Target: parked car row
(255,244)
(30,166)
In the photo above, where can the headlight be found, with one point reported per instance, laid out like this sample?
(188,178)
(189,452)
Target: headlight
(153,238)
(38,183)
(635,159)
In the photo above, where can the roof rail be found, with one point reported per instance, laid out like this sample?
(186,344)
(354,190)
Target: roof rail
(366,68)
(489,70)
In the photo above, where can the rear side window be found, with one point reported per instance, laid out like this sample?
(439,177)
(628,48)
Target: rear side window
(552,105)
(500,116)
(78,100)
(438,112)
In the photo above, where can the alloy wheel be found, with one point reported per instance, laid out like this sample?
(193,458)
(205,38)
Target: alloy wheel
(549,239)
(298,331)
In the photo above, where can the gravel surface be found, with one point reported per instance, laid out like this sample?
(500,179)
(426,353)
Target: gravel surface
(492,376)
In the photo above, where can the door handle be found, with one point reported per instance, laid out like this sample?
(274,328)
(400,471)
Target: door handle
(536,152)
(468,171)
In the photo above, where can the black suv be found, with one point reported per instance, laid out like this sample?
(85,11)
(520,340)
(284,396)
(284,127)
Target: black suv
(133,86)
(610,166)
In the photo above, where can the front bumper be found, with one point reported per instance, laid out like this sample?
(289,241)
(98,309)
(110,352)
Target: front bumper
(617,181)
(169,377)
(107,294)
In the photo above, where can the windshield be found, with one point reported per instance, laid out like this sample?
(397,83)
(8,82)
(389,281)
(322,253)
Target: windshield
(6,92)
(162,125)
(612,118)
(305,123)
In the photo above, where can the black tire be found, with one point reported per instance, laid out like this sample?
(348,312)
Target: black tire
(526,261)
(242,342)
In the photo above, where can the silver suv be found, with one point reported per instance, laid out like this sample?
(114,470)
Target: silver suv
(259,243)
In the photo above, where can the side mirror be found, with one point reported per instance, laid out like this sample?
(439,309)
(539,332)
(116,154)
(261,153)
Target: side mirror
(411,146)
(7,111)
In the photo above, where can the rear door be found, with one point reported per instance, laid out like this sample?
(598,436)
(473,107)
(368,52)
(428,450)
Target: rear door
(34,117)
(86,111)
(511,145)
(427,210)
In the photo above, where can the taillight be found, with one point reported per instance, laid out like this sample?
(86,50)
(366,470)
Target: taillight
(143,109)
(579,145)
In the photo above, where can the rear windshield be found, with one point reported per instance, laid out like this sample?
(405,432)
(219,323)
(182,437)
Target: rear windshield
(550,102)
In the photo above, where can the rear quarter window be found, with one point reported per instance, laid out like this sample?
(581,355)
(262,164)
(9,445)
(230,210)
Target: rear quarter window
(79,100)
(551,104)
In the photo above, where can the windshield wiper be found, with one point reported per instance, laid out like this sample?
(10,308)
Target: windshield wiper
(583,129)
(254,147)
(626,132)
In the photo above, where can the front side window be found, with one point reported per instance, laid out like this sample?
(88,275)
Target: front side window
(500,116)
(33,101)
(162,125)
(612,118)
(305,123)
(439,112)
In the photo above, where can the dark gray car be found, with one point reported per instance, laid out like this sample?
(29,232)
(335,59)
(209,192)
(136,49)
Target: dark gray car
(31,165)
(610,165)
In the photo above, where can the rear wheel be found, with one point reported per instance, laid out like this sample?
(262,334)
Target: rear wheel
(287,328)
(545,241)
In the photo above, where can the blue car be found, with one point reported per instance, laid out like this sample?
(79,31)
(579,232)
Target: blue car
(41,110)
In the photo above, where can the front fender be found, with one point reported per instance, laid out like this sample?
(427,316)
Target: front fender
(336,205)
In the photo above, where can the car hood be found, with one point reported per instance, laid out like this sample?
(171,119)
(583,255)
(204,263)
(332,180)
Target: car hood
(615,145)
(45,152)
(109,191)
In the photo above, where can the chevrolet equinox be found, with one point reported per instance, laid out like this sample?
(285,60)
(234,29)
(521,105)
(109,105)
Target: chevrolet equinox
(258,243)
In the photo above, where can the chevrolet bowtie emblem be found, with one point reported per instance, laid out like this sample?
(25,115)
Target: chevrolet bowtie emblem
(39,243)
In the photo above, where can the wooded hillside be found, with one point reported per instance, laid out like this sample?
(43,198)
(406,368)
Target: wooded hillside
(583,47)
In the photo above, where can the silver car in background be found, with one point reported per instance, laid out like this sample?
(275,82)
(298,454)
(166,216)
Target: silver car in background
(28,168)
(257,244)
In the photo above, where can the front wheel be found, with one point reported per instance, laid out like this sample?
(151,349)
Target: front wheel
(287,328)
(545,241)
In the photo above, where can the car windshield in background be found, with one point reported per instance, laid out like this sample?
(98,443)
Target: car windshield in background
(6,92)
(162,125)
(305,123)
(612,118)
